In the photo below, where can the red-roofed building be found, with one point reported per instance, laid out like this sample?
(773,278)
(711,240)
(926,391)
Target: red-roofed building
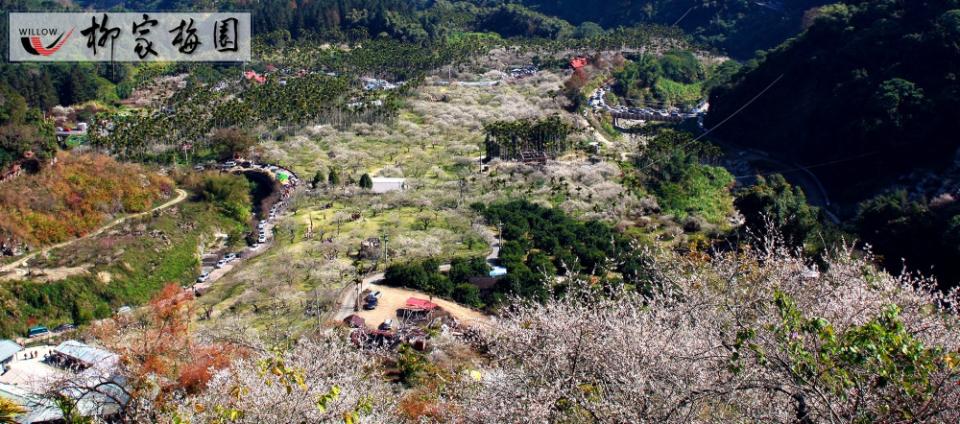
(254,76)
(421,304)
(578,62)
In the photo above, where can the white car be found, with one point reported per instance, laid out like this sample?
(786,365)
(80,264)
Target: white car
(262,239)
(229,164)
(203,277)
(229,257)
(221,263)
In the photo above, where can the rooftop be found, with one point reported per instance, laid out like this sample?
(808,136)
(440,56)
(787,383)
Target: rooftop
(81,352)
(421,304)
(8,348)
(388,180)
(38,408)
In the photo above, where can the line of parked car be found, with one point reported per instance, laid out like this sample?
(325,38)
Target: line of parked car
(262,234)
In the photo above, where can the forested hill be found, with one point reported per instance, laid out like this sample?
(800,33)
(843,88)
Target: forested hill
(739,27)
(868,92)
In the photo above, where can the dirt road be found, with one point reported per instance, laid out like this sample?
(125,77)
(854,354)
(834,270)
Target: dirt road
(181,196)
(393,298)
(348,296)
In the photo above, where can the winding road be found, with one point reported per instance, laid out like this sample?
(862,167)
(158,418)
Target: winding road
(181,196)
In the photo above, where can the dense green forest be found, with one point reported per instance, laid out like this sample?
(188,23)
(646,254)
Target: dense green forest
(857,94)
(739,27)
(857,100)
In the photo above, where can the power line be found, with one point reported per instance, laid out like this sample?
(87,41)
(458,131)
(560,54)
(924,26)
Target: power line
(724,121)
(683,16)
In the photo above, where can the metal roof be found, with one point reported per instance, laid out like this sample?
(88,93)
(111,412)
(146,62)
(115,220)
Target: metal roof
(421,304)
(39,409)
(8,348)
(84,353)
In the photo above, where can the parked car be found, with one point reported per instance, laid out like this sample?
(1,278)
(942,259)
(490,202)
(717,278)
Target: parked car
(386,326)
(221,263)
(371,301)
(229,164)
(199,168)
(203,277)
(64,328)
(230,256)
(262,239)
(37,331)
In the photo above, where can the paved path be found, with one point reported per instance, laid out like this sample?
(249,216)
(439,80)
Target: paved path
(181,196)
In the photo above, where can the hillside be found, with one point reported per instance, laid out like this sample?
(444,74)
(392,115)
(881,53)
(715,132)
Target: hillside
(857,95)
(73,196)
(737,27)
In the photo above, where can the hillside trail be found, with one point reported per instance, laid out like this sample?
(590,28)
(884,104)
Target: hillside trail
(181,196)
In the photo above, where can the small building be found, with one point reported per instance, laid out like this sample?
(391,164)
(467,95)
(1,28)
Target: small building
(578,62)
(77,355)
(38,409)
(8,351)
(255,77)
(417,309)
(99,393)
(385,185)
(421,304)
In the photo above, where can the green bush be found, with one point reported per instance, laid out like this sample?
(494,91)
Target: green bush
(230,193)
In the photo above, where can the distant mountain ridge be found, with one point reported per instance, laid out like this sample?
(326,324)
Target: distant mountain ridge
(739,27)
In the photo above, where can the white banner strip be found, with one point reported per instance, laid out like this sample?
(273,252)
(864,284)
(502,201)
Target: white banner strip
(129,37)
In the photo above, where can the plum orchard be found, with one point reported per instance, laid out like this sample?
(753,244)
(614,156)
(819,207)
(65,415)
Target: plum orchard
(742,337)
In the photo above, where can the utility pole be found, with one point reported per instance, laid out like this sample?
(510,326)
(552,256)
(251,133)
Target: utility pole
(359,283)
(386,253)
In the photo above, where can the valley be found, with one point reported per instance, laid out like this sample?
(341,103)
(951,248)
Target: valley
(485,211)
